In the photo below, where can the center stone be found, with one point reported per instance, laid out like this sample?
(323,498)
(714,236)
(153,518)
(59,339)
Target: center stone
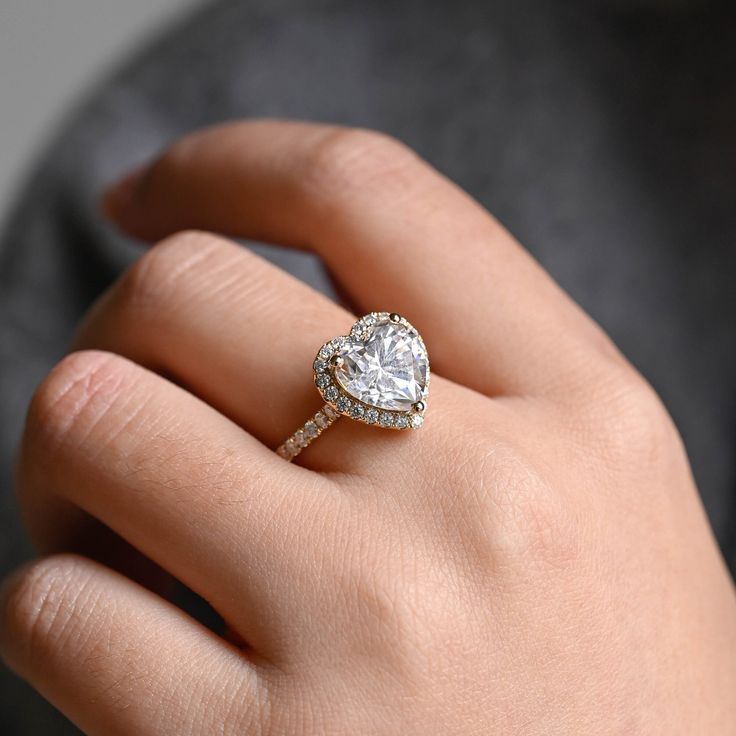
(387,370)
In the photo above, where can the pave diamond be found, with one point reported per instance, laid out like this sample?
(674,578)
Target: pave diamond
(371,416)
(330,413)
(323,381)
(388,370)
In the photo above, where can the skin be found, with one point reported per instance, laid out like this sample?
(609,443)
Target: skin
(534,560)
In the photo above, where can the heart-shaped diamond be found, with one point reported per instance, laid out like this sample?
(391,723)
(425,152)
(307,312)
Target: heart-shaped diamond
(388,368)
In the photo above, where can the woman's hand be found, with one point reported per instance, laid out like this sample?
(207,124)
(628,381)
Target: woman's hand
(534,560)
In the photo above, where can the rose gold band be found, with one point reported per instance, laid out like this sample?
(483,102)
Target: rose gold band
(308,432)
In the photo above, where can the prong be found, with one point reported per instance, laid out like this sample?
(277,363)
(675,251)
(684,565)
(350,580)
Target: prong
(395,318)
(337,361)
(419,406)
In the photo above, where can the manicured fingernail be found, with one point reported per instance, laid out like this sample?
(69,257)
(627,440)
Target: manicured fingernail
(119,198)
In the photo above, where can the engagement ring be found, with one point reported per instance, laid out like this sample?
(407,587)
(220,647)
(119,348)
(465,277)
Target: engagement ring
(378,375)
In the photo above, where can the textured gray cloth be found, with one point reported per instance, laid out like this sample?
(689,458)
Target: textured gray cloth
(601,134)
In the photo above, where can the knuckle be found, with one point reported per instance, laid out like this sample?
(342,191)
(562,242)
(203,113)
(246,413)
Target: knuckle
(523,519)
(391,603)
(349,157)
(41,608)
(376,590)
(632,427)
(74,395)
(167,269)
(502,503)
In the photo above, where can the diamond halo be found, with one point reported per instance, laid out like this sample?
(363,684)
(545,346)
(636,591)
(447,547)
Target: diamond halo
(378,374)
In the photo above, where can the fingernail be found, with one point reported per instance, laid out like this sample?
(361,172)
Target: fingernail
(119,197)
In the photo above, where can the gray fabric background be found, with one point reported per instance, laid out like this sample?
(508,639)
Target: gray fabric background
(601,134)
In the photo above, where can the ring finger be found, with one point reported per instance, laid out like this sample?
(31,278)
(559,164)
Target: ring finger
(241,334)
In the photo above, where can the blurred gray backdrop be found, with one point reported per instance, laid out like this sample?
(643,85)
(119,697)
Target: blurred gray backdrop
(50,52)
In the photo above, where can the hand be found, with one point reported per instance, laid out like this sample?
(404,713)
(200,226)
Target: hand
(534,560)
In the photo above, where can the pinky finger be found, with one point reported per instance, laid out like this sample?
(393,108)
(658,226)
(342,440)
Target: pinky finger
(119,660)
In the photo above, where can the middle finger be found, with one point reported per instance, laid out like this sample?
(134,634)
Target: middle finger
(390,229)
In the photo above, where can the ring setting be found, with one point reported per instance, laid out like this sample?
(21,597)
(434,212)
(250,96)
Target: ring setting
(378,375)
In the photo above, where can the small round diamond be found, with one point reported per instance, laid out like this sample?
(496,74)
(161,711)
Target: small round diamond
(320,366)
(323,381)
(386,419)
(402,422)
(321,420)
(331,393)
(343,403)
(357,411)
(416,421)
(330,413)
(371,416)
(300,438)
(325,352)
(310,429)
